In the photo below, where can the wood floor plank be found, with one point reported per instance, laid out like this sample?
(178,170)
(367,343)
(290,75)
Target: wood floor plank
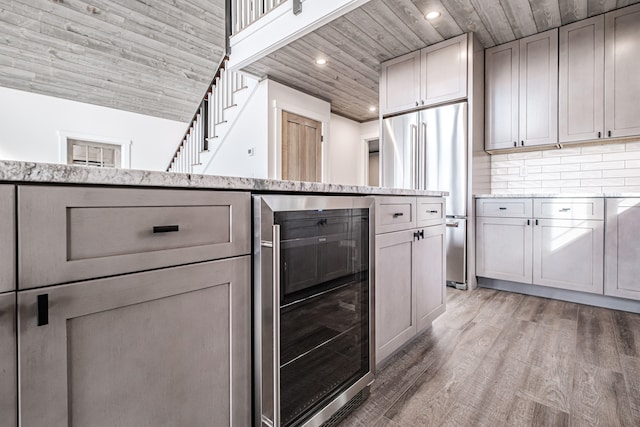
(627,333)
(462,314)
(499,309)
(600,398)
(631,372)
(596,344)
(549,344)
(526,412)
(462,415)
(556,314)
(514,341)
(552,385)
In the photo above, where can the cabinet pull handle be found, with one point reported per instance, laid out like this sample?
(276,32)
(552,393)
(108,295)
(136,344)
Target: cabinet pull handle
(522,143)
(528,222)
(453,224)
(42,309)
(536,222)
(416,235)
(422,102)
(502,209)
(166,228)
(417,103)
(421,234)
(609,134)
(565,209)
(397,214)
(599,134)
(515,144)
(433,212)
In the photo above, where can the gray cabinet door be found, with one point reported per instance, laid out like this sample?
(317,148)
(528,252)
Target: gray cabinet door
(163,348)
(504,248)
(539,89)
(501,87)
(622,251)
(7,238)
(444,71)
(400,84)
(568,254)
(622,62)
(429,275)
(8,369)
(581,80)
(395,309)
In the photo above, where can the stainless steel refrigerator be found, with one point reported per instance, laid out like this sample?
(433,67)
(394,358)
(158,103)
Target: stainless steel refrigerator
(427,150)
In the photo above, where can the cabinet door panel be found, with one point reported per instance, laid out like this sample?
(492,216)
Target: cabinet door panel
(568,254)
(429,275)
(622,62)
(622,250)
(400,83)
(394,296)
(503,249)
(8,368)
(7,238)
(163,348)
(581,80)
(444,71)
(502,71)
(539,89)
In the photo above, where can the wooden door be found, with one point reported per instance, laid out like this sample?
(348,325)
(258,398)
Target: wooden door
(7,238)
(622,250)
(622,62)
(444,71)
(301,148)
(162,348)
(568,254)
(539,89)
(581,80)
(394,292)
(429,275)
(502,70)
(504,248)
(400,83)
(8,368)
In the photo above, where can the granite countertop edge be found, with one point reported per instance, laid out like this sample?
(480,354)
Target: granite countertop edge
(554,195)
(49,173)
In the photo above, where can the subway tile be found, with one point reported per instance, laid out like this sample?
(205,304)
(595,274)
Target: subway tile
(543,161)
(617,173)
(562,152)
(562,183)
(603,182)
(496,185)
(632,181)
(507,178)
(551,190)
(622,189)
(533,190)
(586,158)
(514,171)
(619,164)
(525,156)
(627,155)
(506,163)
(631,164)
(579,190)
(632,146)
(561,168)
(605,148)
(499,171)
(542,176)
(582,175)
(534,169)
(524,184)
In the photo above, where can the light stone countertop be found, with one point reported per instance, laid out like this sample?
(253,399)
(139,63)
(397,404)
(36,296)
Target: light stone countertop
(553,195)
(12,171)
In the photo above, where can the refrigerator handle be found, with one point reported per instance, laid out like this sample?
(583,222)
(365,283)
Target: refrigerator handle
(423,157)
(414,156)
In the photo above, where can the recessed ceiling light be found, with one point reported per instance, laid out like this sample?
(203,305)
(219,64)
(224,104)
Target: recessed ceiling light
(372,109)
(321,61)
(432,15)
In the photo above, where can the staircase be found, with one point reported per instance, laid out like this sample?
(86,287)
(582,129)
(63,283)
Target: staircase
(211,120)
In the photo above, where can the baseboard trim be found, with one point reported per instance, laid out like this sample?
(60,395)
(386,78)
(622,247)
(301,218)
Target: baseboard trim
(562,294)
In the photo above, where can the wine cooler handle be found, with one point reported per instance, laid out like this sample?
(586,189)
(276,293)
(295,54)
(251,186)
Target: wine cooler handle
(276,324)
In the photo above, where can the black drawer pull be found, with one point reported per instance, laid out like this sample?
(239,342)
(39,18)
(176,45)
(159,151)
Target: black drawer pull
(397,214)
(434,212)
(503,209)
(42,309)
(565,210)
(166,228)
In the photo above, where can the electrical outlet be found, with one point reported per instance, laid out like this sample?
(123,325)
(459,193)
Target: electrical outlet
(251,151)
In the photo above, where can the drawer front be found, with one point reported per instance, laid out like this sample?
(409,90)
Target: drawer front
(7,239)
(504,207)
(578,208)
(395,214)
(97,232)
(429,211)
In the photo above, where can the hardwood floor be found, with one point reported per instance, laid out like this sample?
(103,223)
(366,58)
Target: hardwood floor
(503,359)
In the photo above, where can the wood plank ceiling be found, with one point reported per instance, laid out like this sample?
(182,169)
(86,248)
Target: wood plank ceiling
(356,43)
(153,57)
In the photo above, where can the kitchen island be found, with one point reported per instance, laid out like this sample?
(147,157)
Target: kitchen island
(132,291)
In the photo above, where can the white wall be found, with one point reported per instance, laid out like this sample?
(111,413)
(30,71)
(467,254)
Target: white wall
(30,124)
(606,168)
(346,155)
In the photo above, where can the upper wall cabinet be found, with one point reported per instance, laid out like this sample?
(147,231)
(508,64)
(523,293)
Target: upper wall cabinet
(622,62)
(522,92)
(433,75)
(581,80)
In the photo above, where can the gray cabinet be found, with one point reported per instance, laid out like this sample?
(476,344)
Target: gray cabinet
(522,92)
(581,80)
(161,348)
(622,62)
(7,239)
(622,251)
(8,369)
(430,76)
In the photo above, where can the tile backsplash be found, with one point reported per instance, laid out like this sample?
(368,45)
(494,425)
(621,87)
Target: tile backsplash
(606,168)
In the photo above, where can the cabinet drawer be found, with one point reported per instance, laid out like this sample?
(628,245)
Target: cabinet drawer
(69,234)
(429,211)
(569,208)
(395,213)
(504,207)
(7,239)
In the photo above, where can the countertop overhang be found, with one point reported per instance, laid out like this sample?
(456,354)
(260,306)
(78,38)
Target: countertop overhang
(48,173)
(553,195)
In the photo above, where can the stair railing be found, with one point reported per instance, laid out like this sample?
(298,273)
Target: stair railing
(246,12)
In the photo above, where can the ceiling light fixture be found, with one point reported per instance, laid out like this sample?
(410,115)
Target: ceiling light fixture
(372,109)
(321,61)
(432,15)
